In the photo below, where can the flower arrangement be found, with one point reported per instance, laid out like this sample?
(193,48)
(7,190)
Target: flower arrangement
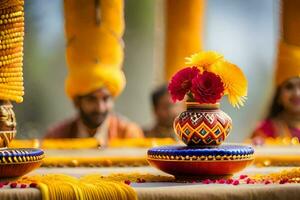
(207,78)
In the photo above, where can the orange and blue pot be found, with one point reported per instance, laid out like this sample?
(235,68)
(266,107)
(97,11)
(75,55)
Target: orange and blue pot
(202,125)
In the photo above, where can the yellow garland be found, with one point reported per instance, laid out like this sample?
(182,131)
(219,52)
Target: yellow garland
(276,160)
(89,143)
(11,50)
(235,82)
(141,142)
(94,161)
(136,177)
(282,141)
(70,143)
(293,175)
(278,141)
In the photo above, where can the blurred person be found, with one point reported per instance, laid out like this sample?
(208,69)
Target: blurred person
(283,118)
(95,77)
(95,118)
(165,112)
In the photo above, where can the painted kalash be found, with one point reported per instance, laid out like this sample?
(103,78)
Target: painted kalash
(203,126)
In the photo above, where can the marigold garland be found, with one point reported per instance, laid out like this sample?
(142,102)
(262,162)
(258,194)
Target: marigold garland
(11,50)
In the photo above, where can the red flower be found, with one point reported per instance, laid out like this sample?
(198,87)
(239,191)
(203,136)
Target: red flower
(127,182)
(13,185)
(181,83)
(207,88)
(33,185)
(235,182)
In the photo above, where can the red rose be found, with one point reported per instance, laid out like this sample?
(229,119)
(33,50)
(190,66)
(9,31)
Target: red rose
(207,88)
(181,82)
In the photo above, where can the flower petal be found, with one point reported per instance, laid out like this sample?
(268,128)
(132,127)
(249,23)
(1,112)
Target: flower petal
(234,81)
(203,59)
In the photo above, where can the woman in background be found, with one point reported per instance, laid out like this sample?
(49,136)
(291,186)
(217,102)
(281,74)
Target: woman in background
(283,119)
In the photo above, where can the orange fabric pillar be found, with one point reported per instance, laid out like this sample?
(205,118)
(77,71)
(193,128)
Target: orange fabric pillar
(288,61)
(94,52)
(291,21)
(184,21)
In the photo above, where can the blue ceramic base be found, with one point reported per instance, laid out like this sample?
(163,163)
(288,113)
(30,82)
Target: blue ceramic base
(201,161)
(16,162)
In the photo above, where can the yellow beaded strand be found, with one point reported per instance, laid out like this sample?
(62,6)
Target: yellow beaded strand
(11,50)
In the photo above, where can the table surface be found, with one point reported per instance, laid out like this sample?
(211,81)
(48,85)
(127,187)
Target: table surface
(172,190)
(167,190)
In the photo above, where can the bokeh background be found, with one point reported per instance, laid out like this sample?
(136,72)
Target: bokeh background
(246,32)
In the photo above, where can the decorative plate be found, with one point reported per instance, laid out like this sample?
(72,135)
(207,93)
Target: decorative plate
(184,161)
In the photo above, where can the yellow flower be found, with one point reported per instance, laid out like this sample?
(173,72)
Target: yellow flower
(235,82)
(204,59)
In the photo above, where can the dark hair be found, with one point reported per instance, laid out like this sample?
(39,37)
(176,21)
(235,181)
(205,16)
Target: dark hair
(157,94)
(276,108)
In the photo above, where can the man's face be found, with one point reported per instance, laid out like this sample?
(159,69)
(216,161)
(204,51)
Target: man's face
(94,107)
(166,110)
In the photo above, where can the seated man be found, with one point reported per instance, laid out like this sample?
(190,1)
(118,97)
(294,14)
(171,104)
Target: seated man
(95,119)
(165,112)
(95,77)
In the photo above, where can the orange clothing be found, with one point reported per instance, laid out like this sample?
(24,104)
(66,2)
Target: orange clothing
(117,128)
(160,132)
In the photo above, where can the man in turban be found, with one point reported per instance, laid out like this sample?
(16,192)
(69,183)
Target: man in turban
(94,56)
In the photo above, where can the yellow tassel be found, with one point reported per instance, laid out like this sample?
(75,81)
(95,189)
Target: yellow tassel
(59,186)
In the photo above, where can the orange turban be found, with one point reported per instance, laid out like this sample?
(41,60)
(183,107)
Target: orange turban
(288,62)
(94,52)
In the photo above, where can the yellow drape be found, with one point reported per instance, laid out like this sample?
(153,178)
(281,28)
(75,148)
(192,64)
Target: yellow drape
(288,62)
(94,52)
(184,19)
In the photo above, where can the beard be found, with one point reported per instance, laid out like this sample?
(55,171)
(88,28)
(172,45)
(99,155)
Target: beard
(167,123)
(93,120)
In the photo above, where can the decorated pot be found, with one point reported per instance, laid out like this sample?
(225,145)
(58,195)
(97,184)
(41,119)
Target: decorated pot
(7,123)
(202,125)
